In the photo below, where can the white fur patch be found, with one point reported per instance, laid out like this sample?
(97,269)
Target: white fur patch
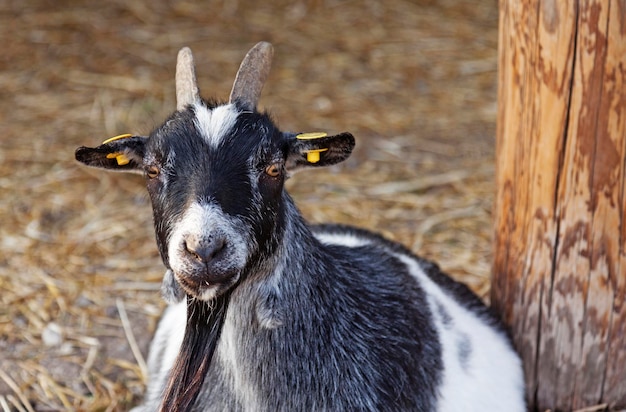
(342,239)
(163,352)
(208,294)
(489,377)
(227,353)
(214,124)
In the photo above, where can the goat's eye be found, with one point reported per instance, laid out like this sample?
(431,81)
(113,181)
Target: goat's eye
(152,171)
(273,170)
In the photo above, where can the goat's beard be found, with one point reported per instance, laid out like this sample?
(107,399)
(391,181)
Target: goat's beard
(202,333)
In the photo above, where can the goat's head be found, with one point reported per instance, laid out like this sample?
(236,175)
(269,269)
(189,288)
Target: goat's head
(215,175)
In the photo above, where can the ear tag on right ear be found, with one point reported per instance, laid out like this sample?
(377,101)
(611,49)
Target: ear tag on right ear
(118,137)
(120,158)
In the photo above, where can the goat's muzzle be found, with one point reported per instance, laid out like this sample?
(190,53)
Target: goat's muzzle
(208,266)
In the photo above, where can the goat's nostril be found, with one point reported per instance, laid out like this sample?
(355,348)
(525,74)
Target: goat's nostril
(205,251)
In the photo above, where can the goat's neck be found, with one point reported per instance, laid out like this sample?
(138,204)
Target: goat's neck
(298,251)
(285,273)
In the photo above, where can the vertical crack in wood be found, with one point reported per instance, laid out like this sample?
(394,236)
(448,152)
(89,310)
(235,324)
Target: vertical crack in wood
(559,172)
(589,234)
(556,211)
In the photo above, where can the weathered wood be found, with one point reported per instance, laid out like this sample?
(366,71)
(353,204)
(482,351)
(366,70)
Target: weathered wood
(559,275)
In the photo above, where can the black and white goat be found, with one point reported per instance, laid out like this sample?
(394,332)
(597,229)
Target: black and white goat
(279,315)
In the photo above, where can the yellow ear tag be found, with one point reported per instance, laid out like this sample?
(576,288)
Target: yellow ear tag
(118,137)
(309,136)
(120,157)
(313,156)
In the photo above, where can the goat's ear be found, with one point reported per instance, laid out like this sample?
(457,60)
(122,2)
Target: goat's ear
(317,150)
(122,153)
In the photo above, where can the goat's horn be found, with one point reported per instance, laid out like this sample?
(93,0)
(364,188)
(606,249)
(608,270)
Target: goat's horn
(251,76)
(186,85)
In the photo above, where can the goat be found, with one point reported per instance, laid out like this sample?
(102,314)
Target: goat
(282,315)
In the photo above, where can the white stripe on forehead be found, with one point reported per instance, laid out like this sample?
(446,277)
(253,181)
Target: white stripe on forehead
(214,124)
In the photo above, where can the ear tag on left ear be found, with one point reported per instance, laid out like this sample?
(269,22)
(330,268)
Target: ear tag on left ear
(309,136)
(312,156)
(118,137)
(120,158)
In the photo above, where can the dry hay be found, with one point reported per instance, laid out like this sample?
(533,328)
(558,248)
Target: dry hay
(413,80)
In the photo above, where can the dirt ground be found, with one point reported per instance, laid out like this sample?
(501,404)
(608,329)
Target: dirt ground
(414,81)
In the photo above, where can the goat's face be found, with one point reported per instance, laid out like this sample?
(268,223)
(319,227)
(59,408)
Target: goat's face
(215,176)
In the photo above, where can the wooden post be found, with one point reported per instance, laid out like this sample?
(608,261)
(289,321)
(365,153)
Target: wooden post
(559,274)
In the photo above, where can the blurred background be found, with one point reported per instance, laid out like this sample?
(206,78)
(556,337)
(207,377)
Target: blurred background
(414,81)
